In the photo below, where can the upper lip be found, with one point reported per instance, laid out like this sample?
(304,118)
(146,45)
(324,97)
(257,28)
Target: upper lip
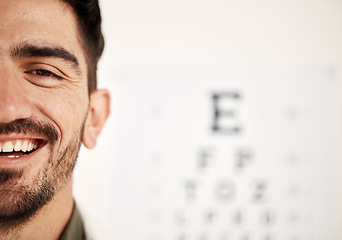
(14,136)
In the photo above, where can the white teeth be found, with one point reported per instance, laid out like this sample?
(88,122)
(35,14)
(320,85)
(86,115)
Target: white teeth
(29,147)
(18,145)
(7,147)
(24,146)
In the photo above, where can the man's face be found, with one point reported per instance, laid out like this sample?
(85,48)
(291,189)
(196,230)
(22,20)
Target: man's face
(43,103)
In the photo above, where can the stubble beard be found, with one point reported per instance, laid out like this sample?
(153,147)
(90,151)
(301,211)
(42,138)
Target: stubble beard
(20,202)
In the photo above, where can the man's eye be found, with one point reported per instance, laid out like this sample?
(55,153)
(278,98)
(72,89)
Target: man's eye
(45,73)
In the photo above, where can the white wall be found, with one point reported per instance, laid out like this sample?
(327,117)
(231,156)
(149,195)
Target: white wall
(162,61)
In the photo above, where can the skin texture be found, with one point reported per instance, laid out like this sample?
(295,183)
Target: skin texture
(50,91)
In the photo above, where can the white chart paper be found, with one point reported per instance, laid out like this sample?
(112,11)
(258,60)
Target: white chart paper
(227,153)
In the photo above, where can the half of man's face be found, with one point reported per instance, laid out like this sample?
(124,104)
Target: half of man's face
(43,103)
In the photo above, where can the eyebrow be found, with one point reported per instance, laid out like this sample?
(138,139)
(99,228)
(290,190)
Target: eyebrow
(30,51)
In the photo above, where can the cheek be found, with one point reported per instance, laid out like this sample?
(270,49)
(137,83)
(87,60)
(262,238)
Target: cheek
(65,109)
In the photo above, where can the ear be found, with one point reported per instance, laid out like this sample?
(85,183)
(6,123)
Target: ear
(99,109)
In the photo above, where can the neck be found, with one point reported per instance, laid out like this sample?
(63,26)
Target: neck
(50,221)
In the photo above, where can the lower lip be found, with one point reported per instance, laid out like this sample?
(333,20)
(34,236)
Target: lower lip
(20,158)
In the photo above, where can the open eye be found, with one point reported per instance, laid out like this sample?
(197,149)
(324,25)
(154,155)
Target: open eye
(45,73)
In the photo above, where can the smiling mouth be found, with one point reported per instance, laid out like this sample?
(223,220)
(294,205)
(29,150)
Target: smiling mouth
(20,147)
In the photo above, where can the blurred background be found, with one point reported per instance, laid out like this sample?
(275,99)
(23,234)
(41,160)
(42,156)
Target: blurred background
(226,121)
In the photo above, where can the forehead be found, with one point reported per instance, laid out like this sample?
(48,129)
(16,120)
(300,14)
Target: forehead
(38,22)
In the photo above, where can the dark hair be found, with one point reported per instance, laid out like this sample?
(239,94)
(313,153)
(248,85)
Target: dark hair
(89,23)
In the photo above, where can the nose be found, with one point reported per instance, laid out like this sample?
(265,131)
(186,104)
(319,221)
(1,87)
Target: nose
(14,103)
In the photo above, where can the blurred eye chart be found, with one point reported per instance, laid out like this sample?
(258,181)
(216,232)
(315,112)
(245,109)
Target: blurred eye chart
(227,153)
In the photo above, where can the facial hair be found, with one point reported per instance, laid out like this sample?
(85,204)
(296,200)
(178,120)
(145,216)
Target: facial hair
(19,202)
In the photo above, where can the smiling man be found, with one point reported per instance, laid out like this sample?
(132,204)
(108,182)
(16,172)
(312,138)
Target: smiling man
(49,106)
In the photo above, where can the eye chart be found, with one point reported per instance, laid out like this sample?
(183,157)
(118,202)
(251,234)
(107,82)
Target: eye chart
(227,153)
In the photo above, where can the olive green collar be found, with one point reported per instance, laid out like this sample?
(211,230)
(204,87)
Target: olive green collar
(75,228)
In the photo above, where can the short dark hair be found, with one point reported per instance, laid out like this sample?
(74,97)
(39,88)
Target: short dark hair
(89,23)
